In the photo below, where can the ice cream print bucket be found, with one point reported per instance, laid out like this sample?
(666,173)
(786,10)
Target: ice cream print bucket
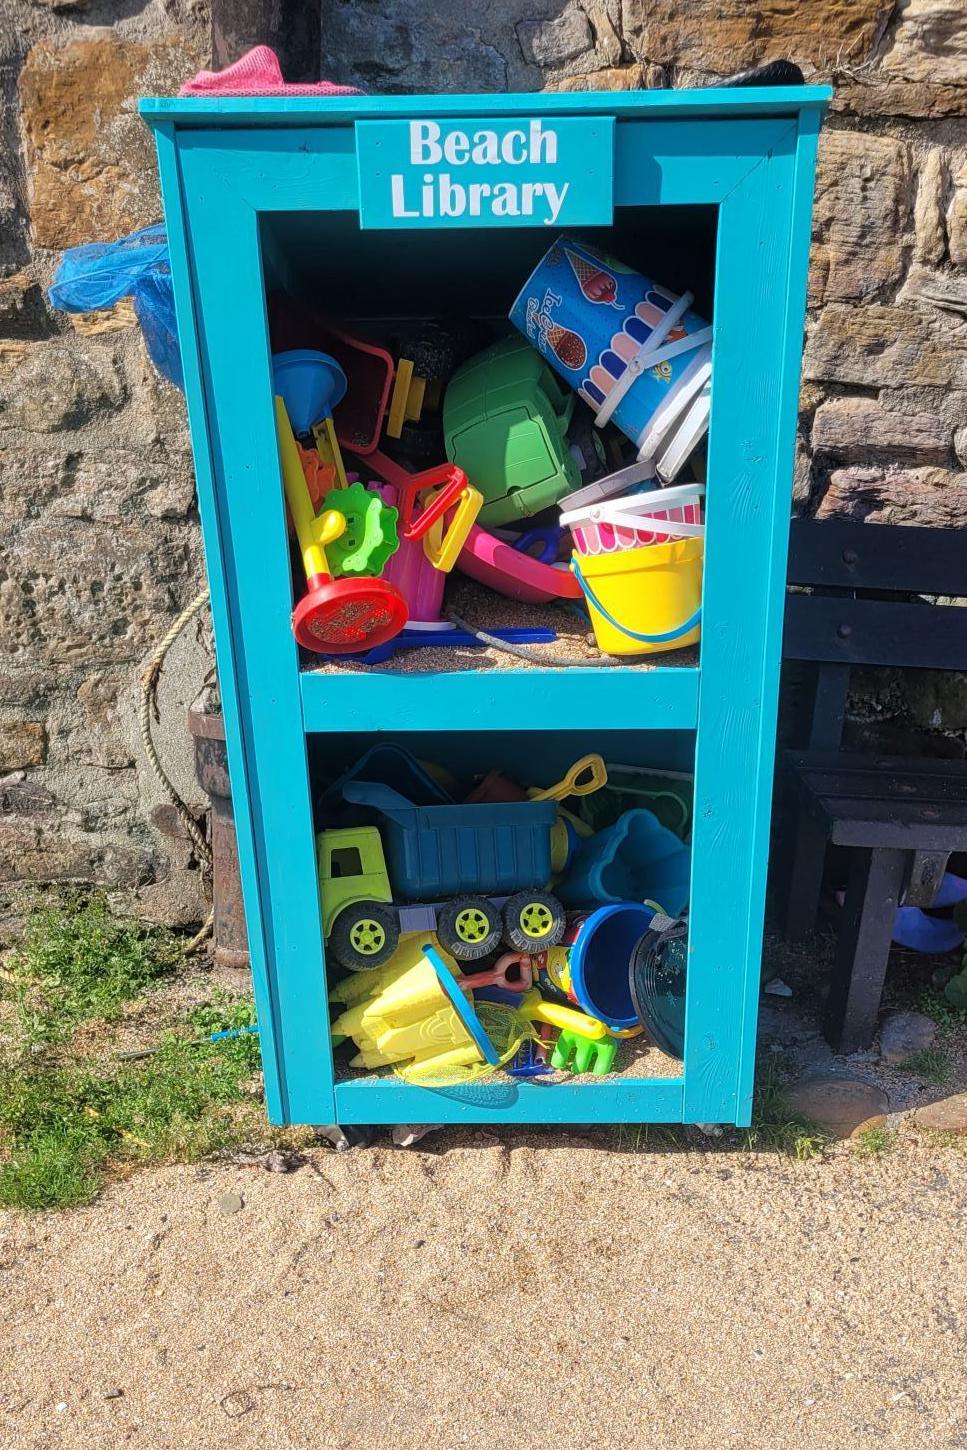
(636,522)
(634,351)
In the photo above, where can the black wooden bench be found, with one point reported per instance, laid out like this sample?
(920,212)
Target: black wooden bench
(901,817)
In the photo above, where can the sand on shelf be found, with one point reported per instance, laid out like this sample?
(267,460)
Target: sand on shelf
(483,609)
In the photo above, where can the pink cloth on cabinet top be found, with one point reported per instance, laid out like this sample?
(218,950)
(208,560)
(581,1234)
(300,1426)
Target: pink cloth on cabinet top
(258,74)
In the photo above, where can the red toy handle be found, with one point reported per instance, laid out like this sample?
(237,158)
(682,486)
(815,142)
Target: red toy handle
(410,485)
(450,480)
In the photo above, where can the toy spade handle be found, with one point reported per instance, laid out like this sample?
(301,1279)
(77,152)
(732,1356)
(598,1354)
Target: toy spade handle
(518,962)
(585,777)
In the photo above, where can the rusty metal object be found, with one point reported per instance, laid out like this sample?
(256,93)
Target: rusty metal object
(211,772)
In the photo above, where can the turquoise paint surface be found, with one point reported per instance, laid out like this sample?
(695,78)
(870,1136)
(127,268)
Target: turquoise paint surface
(533,171)
(228,168)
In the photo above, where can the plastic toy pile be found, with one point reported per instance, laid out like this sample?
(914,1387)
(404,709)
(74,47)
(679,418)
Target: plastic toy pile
(541,465)
(504,930)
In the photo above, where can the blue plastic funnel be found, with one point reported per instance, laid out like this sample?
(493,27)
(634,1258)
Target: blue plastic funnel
(310,385)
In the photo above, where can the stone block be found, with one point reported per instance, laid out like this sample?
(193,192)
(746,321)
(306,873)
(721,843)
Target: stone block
(957,219)
(20,796)
(88,156)
(22,743)
(22,310)
(946,1115)
(93,593)
(858,428)
(841,1105)
(557,40)
(937,699)
(633,77)
(934,497)
(25,689)
(52,388)
(904,1035)
(608,45)
(922,70)
(34,851)
(931,233)
(98,485)
(415,47)
(880,346)
(734,34)
(927,42)
(960,443)
(98,695)
(862,212)
(118,318)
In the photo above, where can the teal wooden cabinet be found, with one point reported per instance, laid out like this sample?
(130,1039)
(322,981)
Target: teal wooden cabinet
(324,198)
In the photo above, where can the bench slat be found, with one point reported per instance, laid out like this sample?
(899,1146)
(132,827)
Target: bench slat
(878,764)
(837,553)
(875,824)
(824,628)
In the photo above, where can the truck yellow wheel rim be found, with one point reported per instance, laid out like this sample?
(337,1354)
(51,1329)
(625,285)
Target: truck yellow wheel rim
(535,920)
(471,925)
(367,936)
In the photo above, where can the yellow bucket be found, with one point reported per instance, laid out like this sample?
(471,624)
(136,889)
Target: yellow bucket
(644,601)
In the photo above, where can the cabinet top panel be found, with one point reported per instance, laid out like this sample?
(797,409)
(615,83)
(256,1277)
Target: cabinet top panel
(271,111)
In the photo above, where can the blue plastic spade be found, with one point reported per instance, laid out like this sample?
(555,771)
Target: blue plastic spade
(310,385)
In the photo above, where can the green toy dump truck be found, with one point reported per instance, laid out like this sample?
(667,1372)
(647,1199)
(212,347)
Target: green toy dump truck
(362,925)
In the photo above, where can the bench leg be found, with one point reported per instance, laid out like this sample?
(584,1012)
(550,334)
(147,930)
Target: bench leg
(805,875)
(859,968)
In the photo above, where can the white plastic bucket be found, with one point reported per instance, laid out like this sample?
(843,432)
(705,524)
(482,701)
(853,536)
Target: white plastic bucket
(637,478)
(637,522)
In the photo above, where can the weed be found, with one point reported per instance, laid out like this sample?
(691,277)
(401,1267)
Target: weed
(78,962)
(777,1126)
(66,1125)
(931,1063)
(934,1004)
(874,1142)
(649,1137)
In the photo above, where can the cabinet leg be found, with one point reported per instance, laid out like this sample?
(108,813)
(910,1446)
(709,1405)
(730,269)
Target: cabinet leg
(859,968)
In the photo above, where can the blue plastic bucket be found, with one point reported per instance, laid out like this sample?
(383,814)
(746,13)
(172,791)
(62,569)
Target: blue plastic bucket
(635,352)
(600,962)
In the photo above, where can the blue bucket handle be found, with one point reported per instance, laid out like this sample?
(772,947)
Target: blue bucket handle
(380,798)
(665,638)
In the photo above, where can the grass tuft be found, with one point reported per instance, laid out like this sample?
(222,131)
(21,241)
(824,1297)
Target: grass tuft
(67,1125)
(931,1063)
(78,962)
(934,1004)
(776,1126)
(875,1142)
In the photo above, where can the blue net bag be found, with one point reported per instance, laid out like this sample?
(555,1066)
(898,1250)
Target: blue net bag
(96,276)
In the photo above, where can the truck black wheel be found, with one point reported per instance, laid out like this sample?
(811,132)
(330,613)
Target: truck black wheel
(533,921)
(364,936)
(469,928)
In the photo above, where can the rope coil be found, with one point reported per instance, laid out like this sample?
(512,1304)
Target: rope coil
(148,708)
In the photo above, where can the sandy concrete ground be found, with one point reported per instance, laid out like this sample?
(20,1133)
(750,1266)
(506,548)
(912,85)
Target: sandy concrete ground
(515,1291)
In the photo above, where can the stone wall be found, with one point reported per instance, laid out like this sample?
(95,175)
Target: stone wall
(100,548)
